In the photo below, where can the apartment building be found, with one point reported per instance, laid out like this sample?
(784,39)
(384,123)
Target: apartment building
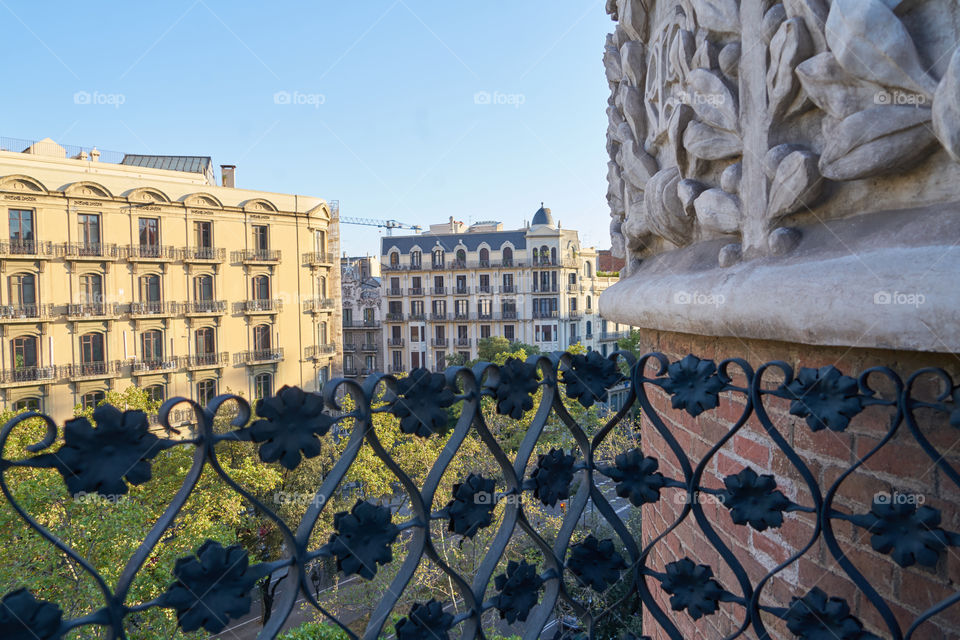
(362,322)
(143,271)
(446,289)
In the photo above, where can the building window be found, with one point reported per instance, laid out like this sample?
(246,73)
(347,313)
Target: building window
(206,391)
(151,346)
(397,357)
(322,286)
(90,232)
(347,316)
(348,362)
(553,255)
(24,353)
(156,393)
(91,288)
(573,277)
(205,341)
(484,331)
(261,237)
(416,307)
(461,257)
(587,269)
(507,253)
(589,302)
(150,288)
(370,363)
(91,348)
(416,259)
(203,288)
(508,332)
(484,257)
(23,289)
(322,333)
(589,328)
(203,234)
(22,231)
(321,239)
(27,404)
(394,259)
(261,337)
(92,399)
(261,287)
(262,386)
(461,308)
(368,318)
(149,233)
(438,259)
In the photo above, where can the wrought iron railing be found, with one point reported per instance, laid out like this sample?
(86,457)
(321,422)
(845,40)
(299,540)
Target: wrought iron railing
(207,588)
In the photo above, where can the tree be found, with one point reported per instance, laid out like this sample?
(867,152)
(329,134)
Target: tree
(489,348)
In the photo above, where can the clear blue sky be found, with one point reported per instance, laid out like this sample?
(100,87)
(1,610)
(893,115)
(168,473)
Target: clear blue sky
(387,121)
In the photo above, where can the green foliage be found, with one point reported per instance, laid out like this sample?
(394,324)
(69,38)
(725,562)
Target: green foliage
(489,349)
(608,274)
(314,631)
(633,343)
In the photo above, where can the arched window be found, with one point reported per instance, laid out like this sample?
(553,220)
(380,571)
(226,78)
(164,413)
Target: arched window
(206,391)
(203,288)
(587,269)
(553,255)
(416,258)
(261,337)
(92,399)
(461,256)
(150,288)
(24,350)
(91,288)
(589,328)
(23,291)
(544,254)
(156,393)
(151,346)
(91,349)
(261,287)
(27,404)
(322,286)
(484,257)
(205,341)
(438,258)
(507,257)
(394,259)
(262,385)
(589,302)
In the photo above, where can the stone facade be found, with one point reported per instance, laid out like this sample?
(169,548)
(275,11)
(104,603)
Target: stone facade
(363,346)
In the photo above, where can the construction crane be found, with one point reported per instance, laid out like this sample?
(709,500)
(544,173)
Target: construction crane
(389,225)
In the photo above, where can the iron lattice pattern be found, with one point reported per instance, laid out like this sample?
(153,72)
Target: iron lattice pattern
(207,589)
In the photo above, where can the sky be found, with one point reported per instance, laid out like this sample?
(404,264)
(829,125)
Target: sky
(413,110)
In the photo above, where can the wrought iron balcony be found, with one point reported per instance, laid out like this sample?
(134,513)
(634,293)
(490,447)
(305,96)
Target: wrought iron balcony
(549,288)
(25,376)
(509,315)
(204,254)
(461,315)
(83,310)
(154,365)
(27,249)
(484,288)
(258,356)
(439,291)
(464,342)
(440,342)
(315,351)
(485,315)
(438,266)
(545,315)
(575,315)
(89,251)
(247,256)
(349,346)
(415,291)
(154,308)
(395,342)
(439,317)
(394,317)
(372,347)
(457,264)
(91,370)
(205,307)
(260,306)
(319,258)
(417,317)
(394,292)
(151,253)
(319,305)
(25,312)
(461,291)
(398,368)
(508,288)
(350,372)
(207,360)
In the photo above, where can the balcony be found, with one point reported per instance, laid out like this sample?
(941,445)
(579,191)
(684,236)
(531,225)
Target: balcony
(204,254)
(545,315)
(483,264)
(350,372)
(319,259)
(438,266)
(485,315)
(256,256)
(393,293)
(27,376)
(206,360)
(91,370)
(394,317)
(258,356)
(395,342)
(252,307)
(370,348)
(159,365)
(398,368)
(415,291)
(573,288)
(508,288)
(155,309)
(92,310)
(552,288)
(319,305)
(575,315)
(26,249)
(484,288)
(316,351)
(417,317)
(462,291)
(461,315)
(509,315)
(457,264)
(463,342)
(439,291)
(89,251)
(349,347)
(150,253)
(205,307)
(440,317)
(11,313)
(439,342)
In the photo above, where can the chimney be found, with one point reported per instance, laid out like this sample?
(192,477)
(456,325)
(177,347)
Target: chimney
(95,154)
(228,171)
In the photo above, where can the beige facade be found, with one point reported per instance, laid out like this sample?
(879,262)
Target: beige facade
(115,275)
(446,289)
(362,343)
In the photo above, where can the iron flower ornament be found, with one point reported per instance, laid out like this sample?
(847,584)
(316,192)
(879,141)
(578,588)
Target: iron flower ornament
(423,398)
(426,621)
(363,539)
(692,587)
(596,563)
(693,384)
(23,617)
(817,617)
(637,477)
(519,591)
(103,459)
(472,506)
(754,499)
(826,398)
(553,476)
(290,424)
(212,587)
(907,534)
(588,378)
(515,388)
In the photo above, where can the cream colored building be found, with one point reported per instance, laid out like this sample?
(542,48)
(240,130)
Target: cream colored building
(147,272)
(361,290)
(446,289)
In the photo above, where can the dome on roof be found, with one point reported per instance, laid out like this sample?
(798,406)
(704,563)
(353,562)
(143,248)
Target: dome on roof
(542,217)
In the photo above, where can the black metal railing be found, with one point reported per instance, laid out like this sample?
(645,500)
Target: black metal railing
(102,369)
(576,570)
(204,254)
(151,252)
(92,309)
(93,250)
(27,375)
(204,360)
(13,312)
(27,248)
(260,306)
(256,255)
(150,365)
(205,306)
(154,308)
(316,258)
(258,356)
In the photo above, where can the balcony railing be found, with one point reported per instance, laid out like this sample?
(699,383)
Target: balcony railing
(439,291)
(151,252)
(89,251)
(509,315)
(207,360)
(204,254)
(154,308)
(394,317)
(319,258)
(462,291)
(439,317)
(261,306)
(258,356)
(370,347)
(439,342)
(395,342)
(484,288)
(508,288)
(398,368)
(318,305)
(545,315)
(154,365)
(550,288)
(417,317)
(349,347)
(463,342)
(485,315)
(575,315)
(415,291)
(91,370)
(25,312)
(350,372)
(205,307)
(256,255)
(28,375)
(319,351)
(26,249)
(461,315)
(394,292)
(93,310)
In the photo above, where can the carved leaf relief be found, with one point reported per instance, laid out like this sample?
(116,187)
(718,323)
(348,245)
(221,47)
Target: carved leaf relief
(946,108)
(814,14)
(709,143)
(665,210)
(718,211)
(834,90)
(712,100)
(722,16)
(797,184)
(789,46)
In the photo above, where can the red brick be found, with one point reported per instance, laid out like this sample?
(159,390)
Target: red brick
(756,452)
